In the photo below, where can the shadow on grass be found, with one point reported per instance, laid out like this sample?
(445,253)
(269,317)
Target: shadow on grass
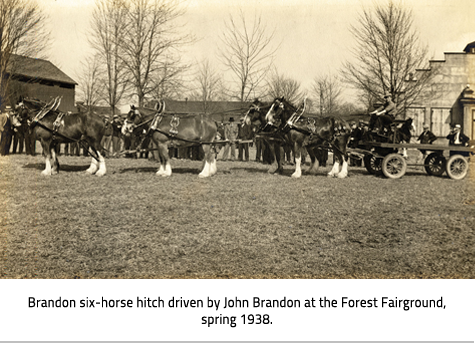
(62,167)
(155,169)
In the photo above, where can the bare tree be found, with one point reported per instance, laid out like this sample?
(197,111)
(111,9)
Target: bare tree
(327,90)
(108,28)
(248,51)
(90,86)
(279,85)
(207,85)
(22,32)
(151,38)
(387,53)
(167,81)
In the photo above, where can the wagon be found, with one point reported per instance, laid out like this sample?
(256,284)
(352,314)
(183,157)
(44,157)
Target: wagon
(384,158)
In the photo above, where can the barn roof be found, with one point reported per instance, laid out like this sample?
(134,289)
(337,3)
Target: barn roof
(469,46)
(37,68)
(101,110)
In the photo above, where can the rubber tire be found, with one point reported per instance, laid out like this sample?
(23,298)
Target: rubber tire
(457,167)
(373,164)
(435,164)
(394,166)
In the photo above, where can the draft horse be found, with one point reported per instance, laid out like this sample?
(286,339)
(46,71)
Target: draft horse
(275,136)
(53,127)
(312,133)
(171,130)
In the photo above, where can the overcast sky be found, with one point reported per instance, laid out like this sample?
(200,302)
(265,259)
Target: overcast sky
(314,35)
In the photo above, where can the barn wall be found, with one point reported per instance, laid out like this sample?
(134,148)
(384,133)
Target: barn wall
(47,92)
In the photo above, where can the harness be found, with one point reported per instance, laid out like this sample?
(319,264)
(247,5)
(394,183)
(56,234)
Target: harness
(309,129)
(58,123)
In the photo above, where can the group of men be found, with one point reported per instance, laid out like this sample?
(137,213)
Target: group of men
(382,118)
(20,135)
(240,134)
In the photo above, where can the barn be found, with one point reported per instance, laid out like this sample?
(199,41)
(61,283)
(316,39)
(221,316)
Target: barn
(40,79)
(449,99)
(220,111)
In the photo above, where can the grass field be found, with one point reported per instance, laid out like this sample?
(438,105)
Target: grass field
(241,223)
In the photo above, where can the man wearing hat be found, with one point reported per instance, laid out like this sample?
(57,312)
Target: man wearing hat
(230,134)
(457,138)
(245,134)
(382,117)
(116,135)
(426,137)
(5,131)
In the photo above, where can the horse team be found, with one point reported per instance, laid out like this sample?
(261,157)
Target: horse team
(278,123)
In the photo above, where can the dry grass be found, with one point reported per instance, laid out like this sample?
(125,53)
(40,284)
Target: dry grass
(241,223)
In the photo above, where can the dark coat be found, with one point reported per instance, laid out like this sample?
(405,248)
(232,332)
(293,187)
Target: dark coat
(462,137)
(245,132)
(427,137)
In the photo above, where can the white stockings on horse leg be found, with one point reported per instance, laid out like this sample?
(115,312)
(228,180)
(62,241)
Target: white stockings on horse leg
(47,170)
(54,160)
(344,170)
(93,167)
(161,170)
(298,169)
(335,169)
(102,166)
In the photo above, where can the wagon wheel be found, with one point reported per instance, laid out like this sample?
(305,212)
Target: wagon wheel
(457,167)
(394,166)
(373,164)
(435,164)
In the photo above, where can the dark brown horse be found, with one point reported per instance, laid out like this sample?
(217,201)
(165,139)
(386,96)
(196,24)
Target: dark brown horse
(171,130)
(275,135)
(53,127)
(313,133)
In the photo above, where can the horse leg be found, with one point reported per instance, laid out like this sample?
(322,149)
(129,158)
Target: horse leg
(54,160)
(47,153)
(165,167)
(93,167)
(314,161)
(335,169)
(276,166)
(102,164)
(298,160)
(344,167)
(207,169)
(212,157)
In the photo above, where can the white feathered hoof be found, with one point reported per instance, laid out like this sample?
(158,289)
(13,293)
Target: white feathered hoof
(92,170)
(100,173)
(342,175)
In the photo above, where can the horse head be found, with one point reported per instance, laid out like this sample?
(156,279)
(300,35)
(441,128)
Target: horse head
(45,109)
(281,111)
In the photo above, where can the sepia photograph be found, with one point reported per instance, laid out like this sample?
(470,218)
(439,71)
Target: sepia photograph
(236,139)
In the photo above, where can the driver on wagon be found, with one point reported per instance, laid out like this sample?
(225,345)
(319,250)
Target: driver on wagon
(383,116)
